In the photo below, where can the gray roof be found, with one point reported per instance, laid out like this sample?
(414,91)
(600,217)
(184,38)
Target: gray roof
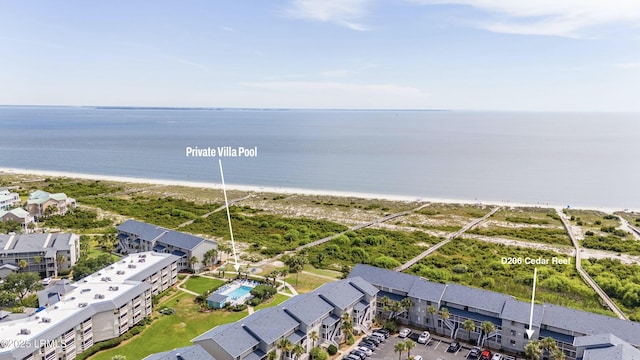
(364,286)
(271,324)
(173,238)
(606,346)
(140,275)
(233,338)
(35,242)
(307,308)
(411,285)
(582,322)
(141,229)
(193,352)
(475,298)
(520,311)
(340,294)
(217,297)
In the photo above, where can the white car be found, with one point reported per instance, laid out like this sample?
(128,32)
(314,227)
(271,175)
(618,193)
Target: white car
(404,333)
(417,357)
(424,337)
(497,356)
(365,350)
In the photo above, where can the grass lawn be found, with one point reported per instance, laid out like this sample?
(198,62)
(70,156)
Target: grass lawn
(323,272)
(201,284)
(277,299)
(168,332)
(306,282)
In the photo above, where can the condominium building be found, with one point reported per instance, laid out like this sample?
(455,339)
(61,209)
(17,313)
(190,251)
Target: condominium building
(510,317)
(99,307)
(136,236)
(193,352)
(321,312)
(8,199)
(46,254)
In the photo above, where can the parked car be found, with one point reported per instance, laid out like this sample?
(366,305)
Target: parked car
(417,357)
(351,357)
(424,337)
(359,353)
(367,344)
(486,355)
(374,339)
(365,350)
(379,336)
(474,354)
(454,346)
(385,332)
(497,356)
(404,333)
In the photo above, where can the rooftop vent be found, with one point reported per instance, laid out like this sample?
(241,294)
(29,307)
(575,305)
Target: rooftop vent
(120,272)
(83,304)
(143,255)
(113,288)
(98,296)
(131,266)
(85,290)
(25,331)
(141,260)
(46,320)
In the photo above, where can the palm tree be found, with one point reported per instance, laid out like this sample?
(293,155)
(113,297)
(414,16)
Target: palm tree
(296,264)
(272,355)
(285,346)
(469,325)
(408,345)
(444,315)
(61,259)
(192,261)
(407,304)
(314,337)
(210,256)
(532,350)
(399,348)
(22,264)
(549,345)
(298,350)
(487,328)
(432,310)
(558,354)
(396,307)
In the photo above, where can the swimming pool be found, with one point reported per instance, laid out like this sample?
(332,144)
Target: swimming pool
(239,292)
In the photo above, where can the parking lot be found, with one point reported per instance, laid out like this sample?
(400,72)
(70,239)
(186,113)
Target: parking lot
(435,349)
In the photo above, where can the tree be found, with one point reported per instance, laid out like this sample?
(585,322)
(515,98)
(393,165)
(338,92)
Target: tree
(119,357)
(224,249)
(209,257)
(399,348)
(408,345)
(272,355)
(60,259)
(532,350)
(432,310)
(318,353)
(22,264)
(487,328)
(444,315)
(407,304)
(285,346)
(469,325)
(22,283)
(314,337)
(558,354)
(298,350)
(549,345)
(192,261)
(296,264)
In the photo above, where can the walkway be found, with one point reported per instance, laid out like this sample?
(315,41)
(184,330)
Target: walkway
(450,237)
(232,202)
(583,274)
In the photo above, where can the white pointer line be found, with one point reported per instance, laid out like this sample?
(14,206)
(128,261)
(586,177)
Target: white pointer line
(226,203)
(530,331)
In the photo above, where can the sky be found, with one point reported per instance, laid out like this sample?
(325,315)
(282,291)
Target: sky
(505,55)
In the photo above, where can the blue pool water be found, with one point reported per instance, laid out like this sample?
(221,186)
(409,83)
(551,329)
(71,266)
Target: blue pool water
(239,292)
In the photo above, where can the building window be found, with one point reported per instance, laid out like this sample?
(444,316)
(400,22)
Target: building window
(513,333)
(512,342)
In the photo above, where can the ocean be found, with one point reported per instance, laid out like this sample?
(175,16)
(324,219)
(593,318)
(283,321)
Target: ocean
(579,159)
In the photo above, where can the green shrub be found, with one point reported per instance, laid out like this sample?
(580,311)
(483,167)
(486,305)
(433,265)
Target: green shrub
(332,349)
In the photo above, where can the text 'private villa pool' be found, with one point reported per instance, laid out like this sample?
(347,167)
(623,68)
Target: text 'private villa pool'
(231,294)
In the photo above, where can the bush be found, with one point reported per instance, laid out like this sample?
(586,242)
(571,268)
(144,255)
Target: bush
(318,353)
(332,350)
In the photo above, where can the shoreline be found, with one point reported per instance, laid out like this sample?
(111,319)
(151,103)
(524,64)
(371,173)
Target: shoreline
(291,190)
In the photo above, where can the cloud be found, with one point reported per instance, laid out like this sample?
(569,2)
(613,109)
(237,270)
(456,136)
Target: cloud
(341,73)
(347,13)
(312,94)
(568,18)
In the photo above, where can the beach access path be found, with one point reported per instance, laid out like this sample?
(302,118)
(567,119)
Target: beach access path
(583,274)
(232,202)
(448,239)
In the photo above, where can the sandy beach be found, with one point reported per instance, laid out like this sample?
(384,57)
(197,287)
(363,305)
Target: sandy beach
(289,190)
